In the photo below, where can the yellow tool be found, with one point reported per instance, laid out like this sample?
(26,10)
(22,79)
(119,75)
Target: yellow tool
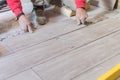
(113,74)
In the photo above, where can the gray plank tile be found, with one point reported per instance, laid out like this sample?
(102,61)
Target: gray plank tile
(67,66)
(26,75)
(41,35)
(59,29)
(27,58)
(99,70)
(37,54)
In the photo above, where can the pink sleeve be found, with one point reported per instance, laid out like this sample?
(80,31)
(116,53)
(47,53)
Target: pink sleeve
(15,6)
(80,3)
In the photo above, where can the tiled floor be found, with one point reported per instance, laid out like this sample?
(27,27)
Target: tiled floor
(62,51)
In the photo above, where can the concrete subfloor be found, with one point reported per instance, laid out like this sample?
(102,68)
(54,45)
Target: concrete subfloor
(61,50)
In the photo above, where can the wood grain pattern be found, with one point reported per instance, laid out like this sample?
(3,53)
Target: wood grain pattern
(43,34)
(26,75)
(99,70)
(61,45)
(59,29)
(68,66)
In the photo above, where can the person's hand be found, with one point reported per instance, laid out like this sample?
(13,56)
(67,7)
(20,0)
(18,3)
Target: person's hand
(81,15)
(25,24)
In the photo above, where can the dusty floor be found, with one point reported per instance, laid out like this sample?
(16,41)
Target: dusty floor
(10,28)
(61,50)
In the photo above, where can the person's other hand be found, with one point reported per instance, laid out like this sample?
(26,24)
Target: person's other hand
(81,15)
(25,24)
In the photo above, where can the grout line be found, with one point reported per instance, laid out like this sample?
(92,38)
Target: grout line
(91,67)
(99,38)
(35,44)
(96,65)
(22,72)
(72,50)
(16,74)
(49,39)
(37,74)
(67,52)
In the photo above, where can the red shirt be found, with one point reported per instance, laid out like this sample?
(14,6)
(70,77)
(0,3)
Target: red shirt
(16,7)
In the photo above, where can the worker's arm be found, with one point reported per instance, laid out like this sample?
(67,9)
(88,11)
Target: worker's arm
(81,13)
(16,7)
(80,3)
